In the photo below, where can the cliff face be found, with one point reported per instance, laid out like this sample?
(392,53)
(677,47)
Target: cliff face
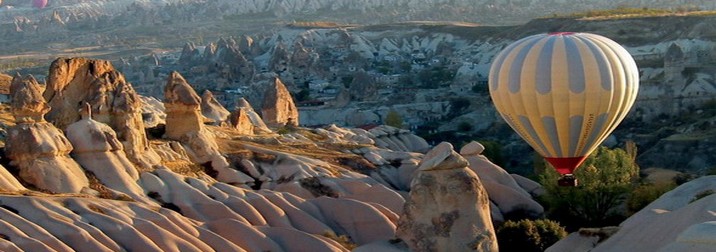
(37,148)
(235,186)
(112,99)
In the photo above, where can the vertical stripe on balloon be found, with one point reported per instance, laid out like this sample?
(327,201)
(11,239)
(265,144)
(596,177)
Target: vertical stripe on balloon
(564,93)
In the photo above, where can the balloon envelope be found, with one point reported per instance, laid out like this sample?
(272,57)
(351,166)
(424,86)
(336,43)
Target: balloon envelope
(564,93)
(39,3)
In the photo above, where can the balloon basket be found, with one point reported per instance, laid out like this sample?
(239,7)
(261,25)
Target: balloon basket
(567,180)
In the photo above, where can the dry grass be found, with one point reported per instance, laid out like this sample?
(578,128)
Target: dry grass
(185,168)
(660,176)
(317,25)
(345,241)
(95,208)
(237,147)
(5,83)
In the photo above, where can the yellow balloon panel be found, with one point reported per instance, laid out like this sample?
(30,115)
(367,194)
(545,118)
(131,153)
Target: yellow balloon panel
(564,93)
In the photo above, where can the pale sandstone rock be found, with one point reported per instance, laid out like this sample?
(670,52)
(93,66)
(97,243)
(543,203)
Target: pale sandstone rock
(383,246)
(574,242)
(472,148)
(243,235)
(532,187)
(502,187)
(448,209)
(152,112)
(63,224)
(239,119)
(212,109)
(8,182)
(185,124)
(673,221)
(362,222)
(258,123)
(27,104)
(182,107)
(291,239)
(98,150)
(36,147)
(698,237)
(278,109)
(509,200)
(74,81)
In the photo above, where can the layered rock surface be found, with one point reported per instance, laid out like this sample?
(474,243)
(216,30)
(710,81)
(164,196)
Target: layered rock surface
(217,189)
(98,150)
(36,147)
(506,193)
(448,209)
(185,124)
(71,82)
(212,109)
(679,220)
(278,109)
(259,126)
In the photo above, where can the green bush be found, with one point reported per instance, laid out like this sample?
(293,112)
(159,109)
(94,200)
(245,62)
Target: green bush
(605,179)
(644,194)
(529,235)
(701,195)
(394,119)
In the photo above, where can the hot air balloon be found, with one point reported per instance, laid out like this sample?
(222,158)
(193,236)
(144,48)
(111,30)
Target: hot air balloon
(564,93)
(39,3)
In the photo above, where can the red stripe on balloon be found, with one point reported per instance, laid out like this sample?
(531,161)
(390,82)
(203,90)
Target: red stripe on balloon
(565,165)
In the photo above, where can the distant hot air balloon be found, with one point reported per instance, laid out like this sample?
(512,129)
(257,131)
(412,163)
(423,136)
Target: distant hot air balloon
(564,93)
(39,3)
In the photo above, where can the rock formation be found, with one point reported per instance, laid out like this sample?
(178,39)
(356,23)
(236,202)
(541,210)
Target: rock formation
(153,111)
(363,87)
(679,220)
(448,209)
(212,109)
(75,81)
(278,109)
(258,123)
(505,192)
(189,54)
(38,149)
(8,183)
(182,106)
(280,59)
(398,139)
(98,150)
(239,119)
(185,124)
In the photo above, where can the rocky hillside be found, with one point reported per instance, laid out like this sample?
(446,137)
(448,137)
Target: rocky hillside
(88,173)
(679,220)
(433,76)
(372,11)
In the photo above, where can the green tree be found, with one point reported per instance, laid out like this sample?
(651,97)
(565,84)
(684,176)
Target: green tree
(303,95)
(464,126)
(529,235)
(493,152)
(605,179)
(394,119)
(644,194)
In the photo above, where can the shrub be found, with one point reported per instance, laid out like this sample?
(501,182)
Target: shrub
(394,119)
(605,179)
(529,235)
(683,178)
(701,195)
(345,241)
(644,194)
